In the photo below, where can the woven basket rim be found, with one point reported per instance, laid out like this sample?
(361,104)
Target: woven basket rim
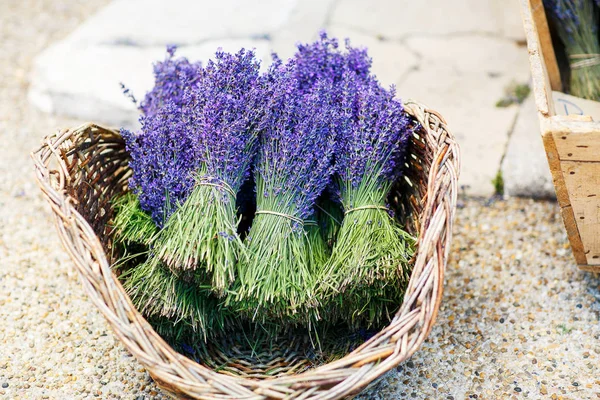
(174,372)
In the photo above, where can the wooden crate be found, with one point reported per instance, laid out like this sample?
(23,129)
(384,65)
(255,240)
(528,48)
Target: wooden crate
(572,144)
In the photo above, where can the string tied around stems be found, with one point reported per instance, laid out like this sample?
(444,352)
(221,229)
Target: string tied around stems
(579,61)
(369,207)
(207,180)
(288,216)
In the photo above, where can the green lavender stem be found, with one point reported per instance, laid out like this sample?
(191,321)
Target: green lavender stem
(202,234)
(276,277)
(131,224)
(369,268)
(176,304)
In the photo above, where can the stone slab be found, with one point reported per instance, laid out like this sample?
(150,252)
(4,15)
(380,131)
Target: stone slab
(83,81)
(182,22)
(400,19)
(496,57)
(463,78)
(391,59)
(466,100)
(525,167)
(306,19)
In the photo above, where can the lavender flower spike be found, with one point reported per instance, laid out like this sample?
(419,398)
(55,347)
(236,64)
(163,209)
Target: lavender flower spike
(172,77)
(162,160)
(162,153)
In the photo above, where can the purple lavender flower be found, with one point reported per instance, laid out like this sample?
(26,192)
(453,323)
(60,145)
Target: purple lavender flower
(564,10)
(374,134)
(297,143)
(228,106)
(324,60)
(172,77)
(162,160)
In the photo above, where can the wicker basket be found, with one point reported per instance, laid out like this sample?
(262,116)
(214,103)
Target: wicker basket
(80,170)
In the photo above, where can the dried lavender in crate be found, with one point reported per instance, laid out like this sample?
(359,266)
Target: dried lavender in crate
(576,22)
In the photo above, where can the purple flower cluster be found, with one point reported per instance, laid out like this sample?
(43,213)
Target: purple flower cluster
(206,120)
(374,133)
(324,60)
(564,10)
(370,123)
(195,119)
(297,143)
(577,19)
(229,106)
(172,77)
(162,160)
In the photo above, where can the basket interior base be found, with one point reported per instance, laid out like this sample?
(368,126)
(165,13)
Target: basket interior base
(255,355)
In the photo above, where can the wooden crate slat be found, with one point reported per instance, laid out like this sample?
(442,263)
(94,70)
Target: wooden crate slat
(583,183)
(578,146)
(546,47)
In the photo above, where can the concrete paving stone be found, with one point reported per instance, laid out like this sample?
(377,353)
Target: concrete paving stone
(473,53)
(391,59)
(508,13)
(182,22)
(467,101)
(462,78)
(305,21)
(403,18)
(83,81)
(525,167)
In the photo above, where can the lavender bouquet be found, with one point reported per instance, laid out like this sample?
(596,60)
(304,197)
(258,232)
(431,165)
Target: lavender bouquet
(577,25)
(163,163)
(226,109)
(369,263)
(293,167)
(177,305)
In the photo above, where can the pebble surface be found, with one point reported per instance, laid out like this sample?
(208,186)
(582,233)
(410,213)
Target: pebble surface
(518,320)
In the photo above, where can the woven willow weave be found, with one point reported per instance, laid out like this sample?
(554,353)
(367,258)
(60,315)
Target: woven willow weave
(79,171)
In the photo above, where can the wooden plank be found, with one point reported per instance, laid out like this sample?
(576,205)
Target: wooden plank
(545,41)
(573,235)
(590,268)
(541,90)
(572,146)
(562,196)
(582,180)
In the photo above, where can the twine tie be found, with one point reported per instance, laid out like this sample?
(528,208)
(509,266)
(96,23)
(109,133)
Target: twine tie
(584,60)
(209,181)
(290,217)
(372,207)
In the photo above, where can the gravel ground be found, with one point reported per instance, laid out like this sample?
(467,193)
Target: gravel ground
(518,319)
